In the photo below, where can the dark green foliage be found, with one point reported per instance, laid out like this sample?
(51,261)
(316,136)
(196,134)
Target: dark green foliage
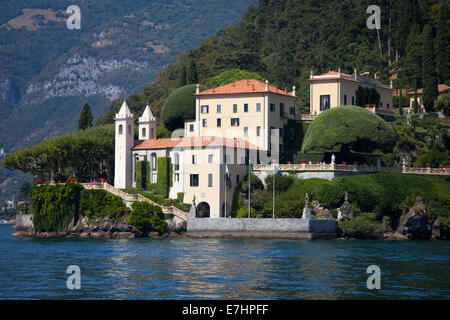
(164,177)
(349,128)
(233,75)
(430,80)
(142,174)
(99,203)
(147,217)
(367,96)
(329,194)
(180,197)
(162,132)
(180,106)
(86,117)
(443,42)
(255,183)
(364,225)
(414,53)
(282,183)
(191,73)
(435,157)
(54,207)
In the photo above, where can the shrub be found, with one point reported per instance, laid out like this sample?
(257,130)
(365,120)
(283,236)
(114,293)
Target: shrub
(147,217)
(256,184)
(349,128)
(364,225)
(179,106)
(329,194)
(233,75)
(282,183)
(443,103)
(99,203)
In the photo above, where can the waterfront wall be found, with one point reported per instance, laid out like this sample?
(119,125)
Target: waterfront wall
(261,228)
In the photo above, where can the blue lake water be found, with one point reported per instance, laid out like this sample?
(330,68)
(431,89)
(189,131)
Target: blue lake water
(221,268)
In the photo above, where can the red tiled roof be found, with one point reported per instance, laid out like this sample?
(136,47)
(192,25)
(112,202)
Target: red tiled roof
(245,86)
(192,142)
(441,88)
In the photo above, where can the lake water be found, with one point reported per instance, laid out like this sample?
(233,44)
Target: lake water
(221,268)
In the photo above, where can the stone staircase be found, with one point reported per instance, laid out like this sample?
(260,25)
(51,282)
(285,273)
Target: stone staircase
(135,197)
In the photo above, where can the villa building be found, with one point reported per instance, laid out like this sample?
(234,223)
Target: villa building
(334,89)
(233,124)
(442,89)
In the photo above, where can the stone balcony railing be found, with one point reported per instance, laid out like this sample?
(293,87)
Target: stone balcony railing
(351,168)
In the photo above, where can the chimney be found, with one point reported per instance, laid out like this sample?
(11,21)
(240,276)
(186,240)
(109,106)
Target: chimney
(267,85)
(285,90)
(375,76)
(213,90)
(354,73)
(391,84)
(339,70)
(293,90)
(197,90)
(311,74)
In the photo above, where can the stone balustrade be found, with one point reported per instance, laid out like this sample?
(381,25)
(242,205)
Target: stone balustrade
(351,168)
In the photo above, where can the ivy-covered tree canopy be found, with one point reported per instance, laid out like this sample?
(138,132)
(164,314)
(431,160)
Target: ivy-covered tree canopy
(349,128)
(180,106)
(87,154)
(233,75)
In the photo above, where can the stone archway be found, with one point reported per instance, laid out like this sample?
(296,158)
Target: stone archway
(203,210)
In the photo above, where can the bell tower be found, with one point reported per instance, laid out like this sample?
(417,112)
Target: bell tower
(124,142)
(147,125)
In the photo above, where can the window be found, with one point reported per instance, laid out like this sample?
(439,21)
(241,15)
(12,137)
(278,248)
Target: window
(353,100)
(210,158)
(219,122)
(194,180)
(204,123)
(245,131)
(191,128)
(152,133)
(210,180)
(292,111)
(345,99)
(258,107)
(153,177)
(219,108)
(245,107)
(143,132)
(176,165)
(258,131)
(281,109)
(324,102)
(205,109)
(381,104)
(234,108)
(194,159)
(176,177)
(272,107)
(129,129)
(388,105)
(120,129)
(237,178)
(235,122)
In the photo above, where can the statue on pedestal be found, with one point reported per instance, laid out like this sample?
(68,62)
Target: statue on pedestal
(307,210)
(193,210)
(333,159)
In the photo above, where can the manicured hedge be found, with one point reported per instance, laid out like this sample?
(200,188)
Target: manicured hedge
(147,217)
(100,203)
(349,128)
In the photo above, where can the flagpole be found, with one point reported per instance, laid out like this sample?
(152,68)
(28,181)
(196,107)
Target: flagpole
(273,187)
(225,204)
(249,184)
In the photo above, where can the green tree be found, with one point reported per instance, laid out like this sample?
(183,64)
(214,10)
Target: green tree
(430,80)
(443,42)
(191,73)
(86,117)
(182,76)
(233,75)
(414,53)
(348,129)
(179,106)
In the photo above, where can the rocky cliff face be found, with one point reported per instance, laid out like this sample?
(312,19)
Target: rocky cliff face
(82,75)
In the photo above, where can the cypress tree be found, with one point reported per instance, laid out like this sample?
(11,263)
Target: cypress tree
(430,81)
(182,76)
(442,42)
(191,74)
(414,54)
(86,117)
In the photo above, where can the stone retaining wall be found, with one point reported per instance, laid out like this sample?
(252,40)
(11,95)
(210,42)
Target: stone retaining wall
(261,228)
